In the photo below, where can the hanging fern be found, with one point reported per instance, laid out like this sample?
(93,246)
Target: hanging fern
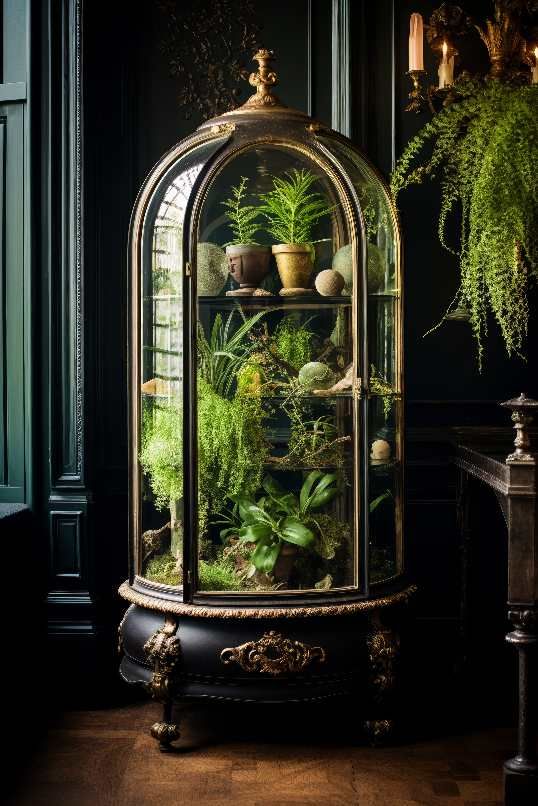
(484,147)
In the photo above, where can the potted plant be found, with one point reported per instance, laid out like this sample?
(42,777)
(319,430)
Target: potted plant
(279,522)
(248,261)
(291,211)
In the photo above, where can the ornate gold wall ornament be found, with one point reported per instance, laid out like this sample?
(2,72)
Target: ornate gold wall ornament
(273,654)
(264,80)
(206,46)
(505,43)
(163,650)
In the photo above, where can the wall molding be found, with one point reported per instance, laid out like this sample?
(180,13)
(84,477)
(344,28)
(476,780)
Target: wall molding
(341,66)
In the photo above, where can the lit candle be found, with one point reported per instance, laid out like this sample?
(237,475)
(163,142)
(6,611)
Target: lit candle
(416,48)
(446,69)
(535,68)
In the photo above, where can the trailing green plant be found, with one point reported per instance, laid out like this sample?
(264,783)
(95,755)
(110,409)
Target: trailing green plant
(278,517)
(293,341)
(313,441)
(291,209)
(484,148)
(379,386)
(243,218)
(232,448)
(161,455)
(221,356)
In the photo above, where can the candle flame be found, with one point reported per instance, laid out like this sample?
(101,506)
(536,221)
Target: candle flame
(445,49)
(536,53)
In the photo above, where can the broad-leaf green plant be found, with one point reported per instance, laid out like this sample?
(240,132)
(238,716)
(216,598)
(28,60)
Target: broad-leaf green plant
(291,209)
(484,150)
(279,516)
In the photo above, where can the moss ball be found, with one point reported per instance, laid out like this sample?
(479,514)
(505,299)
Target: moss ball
(316,375)
(343,264)
(212,269)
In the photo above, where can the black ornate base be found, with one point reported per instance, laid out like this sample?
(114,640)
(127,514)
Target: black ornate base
(268,660)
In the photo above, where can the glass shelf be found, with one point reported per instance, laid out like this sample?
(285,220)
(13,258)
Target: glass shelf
(276,301)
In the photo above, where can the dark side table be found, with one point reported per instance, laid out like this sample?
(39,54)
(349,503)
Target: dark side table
(514,480)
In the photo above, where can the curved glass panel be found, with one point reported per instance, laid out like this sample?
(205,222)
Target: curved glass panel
(161,369)
(277,478)
(385,411)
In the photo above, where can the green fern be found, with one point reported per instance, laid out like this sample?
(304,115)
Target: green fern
(243,218)
(290,210)
(484,148)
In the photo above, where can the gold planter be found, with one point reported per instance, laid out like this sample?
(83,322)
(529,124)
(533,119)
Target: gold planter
(294,263)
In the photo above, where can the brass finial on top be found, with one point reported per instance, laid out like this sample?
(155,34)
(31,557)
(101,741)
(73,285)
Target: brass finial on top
(264,80)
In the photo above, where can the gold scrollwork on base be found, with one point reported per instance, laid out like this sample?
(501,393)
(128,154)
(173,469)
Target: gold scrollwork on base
(383,647)
(273,654)
(163,651)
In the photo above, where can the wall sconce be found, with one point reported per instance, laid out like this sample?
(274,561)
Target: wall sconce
(510,36)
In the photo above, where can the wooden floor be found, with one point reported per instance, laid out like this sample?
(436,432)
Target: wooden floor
(253,756)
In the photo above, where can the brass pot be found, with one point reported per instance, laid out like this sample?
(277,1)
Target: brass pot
(248,265)
(294,263)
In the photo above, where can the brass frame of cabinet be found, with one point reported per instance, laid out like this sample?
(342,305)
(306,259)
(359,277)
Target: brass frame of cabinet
(297,133)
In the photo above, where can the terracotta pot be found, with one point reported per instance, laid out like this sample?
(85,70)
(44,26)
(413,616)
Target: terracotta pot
(284,563)
(294,263)
(248,265)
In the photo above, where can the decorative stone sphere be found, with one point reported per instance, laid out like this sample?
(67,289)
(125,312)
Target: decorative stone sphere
(343,264)
(212,269)
(316,375)
(380,450)
(329,283)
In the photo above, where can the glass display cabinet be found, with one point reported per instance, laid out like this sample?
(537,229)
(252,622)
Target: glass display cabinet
(266,418)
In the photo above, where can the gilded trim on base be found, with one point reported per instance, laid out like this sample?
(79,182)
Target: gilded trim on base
(273,654)
(304,611)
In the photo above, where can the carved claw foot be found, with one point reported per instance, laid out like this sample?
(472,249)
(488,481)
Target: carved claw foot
(379,731)
(165,733)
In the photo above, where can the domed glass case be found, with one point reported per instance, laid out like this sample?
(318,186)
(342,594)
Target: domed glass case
(266,366)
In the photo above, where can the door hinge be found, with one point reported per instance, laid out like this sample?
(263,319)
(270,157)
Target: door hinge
(357,388)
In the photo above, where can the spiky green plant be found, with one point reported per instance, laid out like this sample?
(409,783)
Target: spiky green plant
(221,356)
(484,148)
(244,219)
(291,210)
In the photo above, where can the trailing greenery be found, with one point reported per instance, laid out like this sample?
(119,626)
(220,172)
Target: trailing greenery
(161,455)
(243,218)
(222,355)
(291,210)
(293,341)
(484,148)
(232,448)
(379,386)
